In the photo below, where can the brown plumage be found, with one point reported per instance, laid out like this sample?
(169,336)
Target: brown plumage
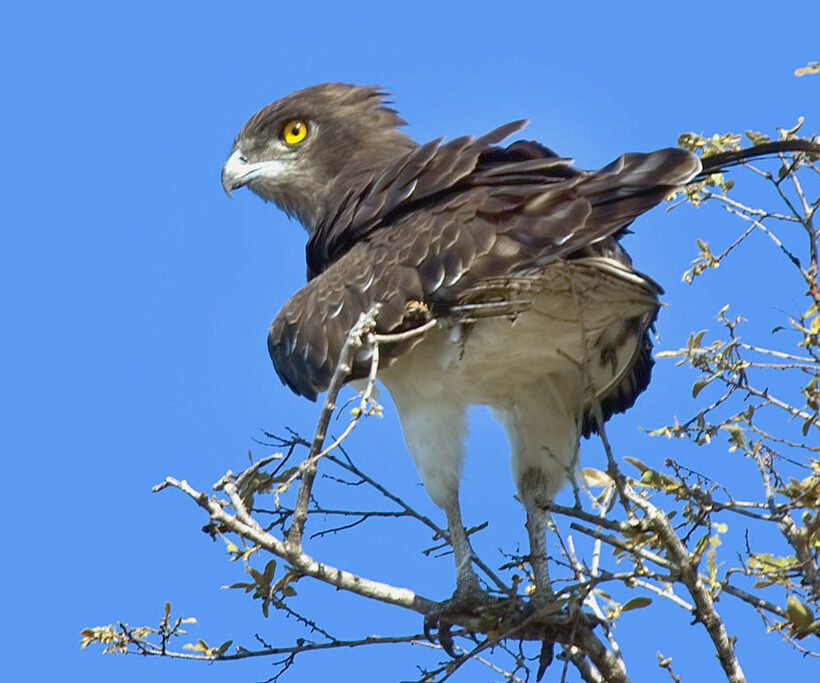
(511,248)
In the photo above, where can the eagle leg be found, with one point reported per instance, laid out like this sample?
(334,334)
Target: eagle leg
(468,597)
(531,489)
(543,438)
(537,532)
(467,586)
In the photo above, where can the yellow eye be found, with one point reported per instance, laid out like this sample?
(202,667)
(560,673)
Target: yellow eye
(293,132)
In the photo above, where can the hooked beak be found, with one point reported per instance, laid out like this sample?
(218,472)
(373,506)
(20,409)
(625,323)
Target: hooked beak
(238,171)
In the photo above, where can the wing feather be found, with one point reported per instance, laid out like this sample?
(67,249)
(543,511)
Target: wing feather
(448,216)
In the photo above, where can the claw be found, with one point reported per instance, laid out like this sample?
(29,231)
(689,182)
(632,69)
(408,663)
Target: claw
(437,628)
(545,658)
(442,634)
(429,624)
(445,638)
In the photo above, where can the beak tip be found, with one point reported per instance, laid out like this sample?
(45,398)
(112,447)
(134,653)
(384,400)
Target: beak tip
(228,185)
(239,172)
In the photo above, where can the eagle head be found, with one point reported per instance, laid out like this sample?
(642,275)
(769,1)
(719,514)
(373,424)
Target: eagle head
(305,151)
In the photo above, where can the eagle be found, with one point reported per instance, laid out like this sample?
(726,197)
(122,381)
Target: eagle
(514,253)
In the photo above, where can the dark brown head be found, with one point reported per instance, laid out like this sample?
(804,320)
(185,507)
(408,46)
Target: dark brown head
(305,150)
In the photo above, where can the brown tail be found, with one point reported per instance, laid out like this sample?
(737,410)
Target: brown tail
(717,162)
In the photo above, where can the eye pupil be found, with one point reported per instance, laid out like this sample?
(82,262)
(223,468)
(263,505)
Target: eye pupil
(294,132)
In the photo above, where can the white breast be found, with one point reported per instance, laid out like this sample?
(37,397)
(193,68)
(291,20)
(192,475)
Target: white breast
(577,339)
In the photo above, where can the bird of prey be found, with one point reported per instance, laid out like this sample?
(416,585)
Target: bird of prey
(513,251)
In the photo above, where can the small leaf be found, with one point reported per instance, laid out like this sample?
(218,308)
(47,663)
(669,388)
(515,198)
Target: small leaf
(757,138)
(698,386)
(798,613)
(700,547)
(593,477)
(809,69)
(201,646)
(736,437)
(785,133)
(223,648)
(636,603)
(270,568)
(637,463)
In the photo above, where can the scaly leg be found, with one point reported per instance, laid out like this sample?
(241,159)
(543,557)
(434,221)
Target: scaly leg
(468,589)
(531,488)
(468,594)
(544,441)
(433,425)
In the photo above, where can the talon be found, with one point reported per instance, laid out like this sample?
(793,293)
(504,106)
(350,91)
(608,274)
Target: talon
(430,622)
(545,658)
(433,622)
(462,602)
(445,639)
(442,631)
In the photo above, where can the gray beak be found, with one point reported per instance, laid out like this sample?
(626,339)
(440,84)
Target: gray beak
(238,171)
(235,173)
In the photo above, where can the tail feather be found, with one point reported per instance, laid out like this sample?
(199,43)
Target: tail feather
(717,162)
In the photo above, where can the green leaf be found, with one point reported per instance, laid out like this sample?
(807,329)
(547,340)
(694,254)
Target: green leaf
(201,646)
(270,568)
(700,546)
(798,613)
(737,439)
(757,138)
(637,463)
(636,603)
(655,479)
(698,386)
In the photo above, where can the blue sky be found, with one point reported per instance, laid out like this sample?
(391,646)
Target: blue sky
(137,297)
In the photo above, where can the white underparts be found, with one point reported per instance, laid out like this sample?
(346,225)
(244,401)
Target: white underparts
(537,371)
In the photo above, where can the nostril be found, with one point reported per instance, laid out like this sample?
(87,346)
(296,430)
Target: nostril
(243,158)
